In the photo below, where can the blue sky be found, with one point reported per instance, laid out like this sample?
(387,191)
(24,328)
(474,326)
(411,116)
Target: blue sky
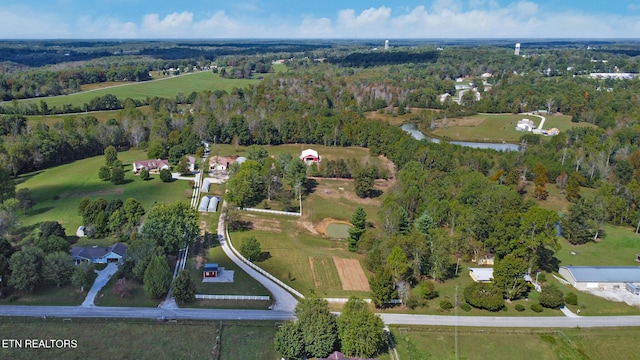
(211,19)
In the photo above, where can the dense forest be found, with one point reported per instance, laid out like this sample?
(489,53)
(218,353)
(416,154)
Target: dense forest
(447,199)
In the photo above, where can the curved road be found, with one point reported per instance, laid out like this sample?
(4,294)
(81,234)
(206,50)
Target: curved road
(283,300)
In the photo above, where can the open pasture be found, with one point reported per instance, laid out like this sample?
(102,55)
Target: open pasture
(494,127)
(58,190)
(166,88)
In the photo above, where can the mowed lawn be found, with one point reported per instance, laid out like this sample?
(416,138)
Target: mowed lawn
(166,88)
(326,152)
(473,343)
(58,190)
(116,339)
(496,127)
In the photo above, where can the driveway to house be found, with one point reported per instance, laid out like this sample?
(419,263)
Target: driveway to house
(103,278)
(282,299)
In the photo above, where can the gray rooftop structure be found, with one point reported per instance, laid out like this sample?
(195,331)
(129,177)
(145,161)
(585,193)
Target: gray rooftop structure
(603,277)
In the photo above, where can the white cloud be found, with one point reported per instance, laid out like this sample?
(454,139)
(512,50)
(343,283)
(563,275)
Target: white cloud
(443,19)
(171,25)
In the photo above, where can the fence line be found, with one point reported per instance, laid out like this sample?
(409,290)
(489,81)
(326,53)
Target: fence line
(259,269)
(275,212)
(344,300)
(233,297)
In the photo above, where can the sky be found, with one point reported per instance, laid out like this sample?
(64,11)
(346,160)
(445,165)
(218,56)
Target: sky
(318,19)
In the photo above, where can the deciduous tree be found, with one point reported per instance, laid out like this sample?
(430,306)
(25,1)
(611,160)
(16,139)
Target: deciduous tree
(360,331)
(289,341)
(57,268)
(250,248)
(318,326)
(26,269)
(508,275)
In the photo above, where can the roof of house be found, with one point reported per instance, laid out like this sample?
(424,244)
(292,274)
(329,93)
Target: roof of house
(221,160)
(482,274)
(309,152)
(98,251)
(604,273)
(211,267)
(151,164)
(191,159)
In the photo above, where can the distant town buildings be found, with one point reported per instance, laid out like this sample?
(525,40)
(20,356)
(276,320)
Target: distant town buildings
(517,51)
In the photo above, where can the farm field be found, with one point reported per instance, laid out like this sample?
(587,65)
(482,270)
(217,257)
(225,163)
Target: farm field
(143,339)
(494,127)
(474,343)
(167,88)
(296,250)
(58,190)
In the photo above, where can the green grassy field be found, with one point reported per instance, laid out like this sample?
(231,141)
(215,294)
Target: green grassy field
(58,190)
(167,88)
(494,128)
(618,247)
(248,340)
(136,298)
(68,295)
(474,343)
(142,339)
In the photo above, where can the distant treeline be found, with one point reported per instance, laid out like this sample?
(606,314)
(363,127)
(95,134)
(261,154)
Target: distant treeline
(379,58)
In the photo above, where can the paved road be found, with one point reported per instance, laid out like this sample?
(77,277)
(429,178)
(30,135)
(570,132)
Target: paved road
(142,313)
(103,278)
(283,300)
(527,322)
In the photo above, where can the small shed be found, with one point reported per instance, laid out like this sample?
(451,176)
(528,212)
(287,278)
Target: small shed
(210,270)
(80,232)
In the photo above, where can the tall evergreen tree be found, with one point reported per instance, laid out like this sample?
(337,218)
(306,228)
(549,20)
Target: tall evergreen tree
(184,288)
(157,277)
(359,222)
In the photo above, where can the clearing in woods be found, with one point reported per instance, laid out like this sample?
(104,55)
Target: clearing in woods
(351,274)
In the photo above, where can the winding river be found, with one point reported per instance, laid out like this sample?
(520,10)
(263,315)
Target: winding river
(413,130)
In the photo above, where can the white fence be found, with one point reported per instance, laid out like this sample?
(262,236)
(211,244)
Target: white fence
(259,269)
(344,300)
(275,212)
(233,297)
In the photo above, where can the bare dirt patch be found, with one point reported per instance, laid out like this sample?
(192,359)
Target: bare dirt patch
(258,223)
(340,189)
(313,272)
(321,227)
(308,226)
(117,191)
(351,274)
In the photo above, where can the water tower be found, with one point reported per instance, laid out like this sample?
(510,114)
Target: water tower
(517,52)
(386,44)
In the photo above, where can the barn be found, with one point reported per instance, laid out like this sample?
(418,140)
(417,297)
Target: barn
(310,156)
(600,277)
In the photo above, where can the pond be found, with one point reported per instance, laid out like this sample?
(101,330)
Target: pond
(338,230)
(413,130)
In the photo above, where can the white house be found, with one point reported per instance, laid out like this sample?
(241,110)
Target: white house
(481,274)
(150,165)
(192,163)
(100,254)
(525,125)
(310,156)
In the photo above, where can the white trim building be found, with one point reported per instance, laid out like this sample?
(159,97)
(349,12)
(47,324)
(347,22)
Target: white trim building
(600,277)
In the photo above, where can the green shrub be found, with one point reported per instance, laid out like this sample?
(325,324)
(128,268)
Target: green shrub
(551,297)
(541,277)
(520,308)
(537,308)
(165,175)
(571,298)
(446,305)
(484,296)
(465,307)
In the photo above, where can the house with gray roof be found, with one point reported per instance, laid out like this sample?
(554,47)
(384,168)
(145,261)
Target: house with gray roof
(100,254)
(600,277)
